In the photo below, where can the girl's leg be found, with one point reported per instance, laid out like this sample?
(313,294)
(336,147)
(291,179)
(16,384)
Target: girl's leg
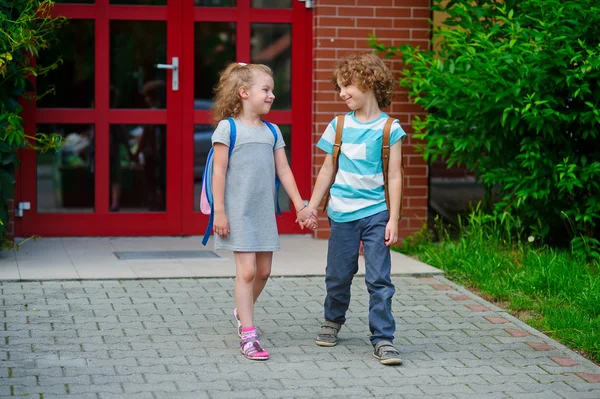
(245,272)
(264,260)
(245,277)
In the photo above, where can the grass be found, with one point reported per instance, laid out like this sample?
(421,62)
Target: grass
(552,290)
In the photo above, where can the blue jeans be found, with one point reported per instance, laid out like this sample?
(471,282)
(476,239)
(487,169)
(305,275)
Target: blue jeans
(342,265)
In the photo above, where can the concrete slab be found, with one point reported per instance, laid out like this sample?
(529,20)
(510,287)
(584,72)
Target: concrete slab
(93,258)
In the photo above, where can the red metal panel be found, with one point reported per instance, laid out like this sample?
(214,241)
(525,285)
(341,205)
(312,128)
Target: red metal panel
(101,90)
(174,128)
(243,32)
(140,13)
(75,11)
(60,115)
(192,222)
(179,117)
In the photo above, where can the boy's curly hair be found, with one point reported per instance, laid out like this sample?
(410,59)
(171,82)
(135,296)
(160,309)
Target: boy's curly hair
(227,102)
(366,71)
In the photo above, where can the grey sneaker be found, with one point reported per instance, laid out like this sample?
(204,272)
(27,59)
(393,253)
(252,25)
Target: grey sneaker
(327,335)
(386,353)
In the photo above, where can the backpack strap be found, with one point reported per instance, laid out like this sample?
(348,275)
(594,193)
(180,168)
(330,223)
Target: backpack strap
(211,218)
(277,182)
(337,145)
(385,157)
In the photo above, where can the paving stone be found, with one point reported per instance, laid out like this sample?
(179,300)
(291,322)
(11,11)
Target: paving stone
(589,377)
(176,338)
(565,361)
(516,333)
(540,346)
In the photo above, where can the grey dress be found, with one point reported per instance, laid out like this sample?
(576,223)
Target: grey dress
(250,188)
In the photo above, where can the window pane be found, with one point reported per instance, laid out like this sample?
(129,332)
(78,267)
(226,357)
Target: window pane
(72,83)
(65,179)
(214,3)
(138,166)
(140,2)
(202,145)
(271,44)
(135,48)
(214,49)
(271,3)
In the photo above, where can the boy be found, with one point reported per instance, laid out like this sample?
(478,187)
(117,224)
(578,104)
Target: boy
(357,208)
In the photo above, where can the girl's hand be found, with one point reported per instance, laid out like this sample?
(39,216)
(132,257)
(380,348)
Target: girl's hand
(391,233)
(221,224)
(307,218)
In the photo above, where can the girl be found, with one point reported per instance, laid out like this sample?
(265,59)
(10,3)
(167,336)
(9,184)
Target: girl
(244,188)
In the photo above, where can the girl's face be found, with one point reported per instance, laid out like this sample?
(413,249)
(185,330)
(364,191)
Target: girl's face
(259,98)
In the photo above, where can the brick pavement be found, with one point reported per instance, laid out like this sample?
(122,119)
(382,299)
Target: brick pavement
(175,338)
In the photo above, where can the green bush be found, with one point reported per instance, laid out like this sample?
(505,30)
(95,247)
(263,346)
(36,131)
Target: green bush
(512,92)
(553,290)
(25,29)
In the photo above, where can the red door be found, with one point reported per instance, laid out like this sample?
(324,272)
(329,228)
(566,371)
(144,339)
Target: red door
(132,101)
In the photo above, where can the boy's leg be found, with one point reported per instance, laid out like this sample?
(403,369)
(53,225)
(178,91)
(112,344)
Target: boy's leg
(378,279)
(342,264)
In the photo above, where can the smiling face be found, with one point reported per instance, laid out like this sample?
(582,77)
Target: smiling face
(354,98)
(259,97)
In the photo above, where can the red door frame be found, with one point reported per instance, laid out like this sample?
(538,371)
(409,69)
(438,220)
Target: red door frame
(179,218)
(298,116)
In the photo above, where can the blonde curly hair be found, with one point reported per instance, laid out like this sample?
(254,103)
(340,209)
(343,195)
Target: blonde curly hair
(227,101)
(366,71)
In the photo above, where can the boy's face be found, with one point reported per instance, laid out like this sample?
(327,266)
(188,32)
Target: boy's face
(354,98)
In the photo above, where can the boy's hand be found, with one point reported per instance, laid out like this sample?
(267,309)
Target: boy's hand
(391,233)
(307,217)
(221,224)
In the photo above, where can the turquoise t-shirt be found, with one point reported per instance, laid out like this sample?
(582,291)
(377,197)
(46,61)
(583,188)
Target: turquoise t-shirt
(358,189)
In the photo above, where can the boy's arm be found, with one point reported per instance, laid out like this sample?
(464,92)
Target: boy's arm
(324,180)
(395,191)
(286,177)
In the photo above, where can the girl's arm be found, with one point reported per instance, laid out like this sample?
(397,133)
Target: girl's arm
(286,177)
(395,191)
(220,162)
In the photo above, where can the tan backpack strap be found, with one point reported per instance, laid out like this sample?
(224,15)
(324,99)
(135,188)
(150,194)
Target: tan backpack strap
(385,157)
(337,145)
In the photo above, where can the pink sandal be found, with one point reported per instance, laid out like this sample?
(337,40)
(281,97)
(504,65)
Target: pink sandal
(253,350)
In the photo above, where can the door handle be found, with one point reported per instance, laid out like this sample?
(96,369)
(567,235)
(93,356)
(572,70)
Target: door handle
(174,66)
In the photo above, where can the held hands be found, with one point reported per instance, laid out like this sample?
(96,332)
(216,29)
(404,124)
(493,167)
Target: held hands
(307,217)
(221,224)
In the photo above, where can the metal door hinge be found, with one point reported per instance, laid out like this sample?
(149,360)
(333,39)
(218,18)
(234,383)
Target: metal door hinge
(22,206)
(308,3)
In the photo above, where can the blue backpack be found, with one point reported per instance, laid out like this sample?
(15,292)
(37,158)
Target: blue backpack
(207,205)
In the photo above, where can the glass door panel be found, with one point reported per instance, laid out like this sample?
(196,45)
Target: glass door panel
(71,85)
(135,49)
(65,178)
(271,44)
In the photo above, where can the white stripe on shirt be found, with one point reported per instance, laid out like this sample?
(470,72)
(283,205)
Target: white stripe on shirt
(361,182)
(348,205)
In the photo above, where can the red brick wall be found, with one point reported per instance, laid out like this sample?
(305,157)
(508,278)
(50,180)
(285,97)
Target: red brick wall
(344,26)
